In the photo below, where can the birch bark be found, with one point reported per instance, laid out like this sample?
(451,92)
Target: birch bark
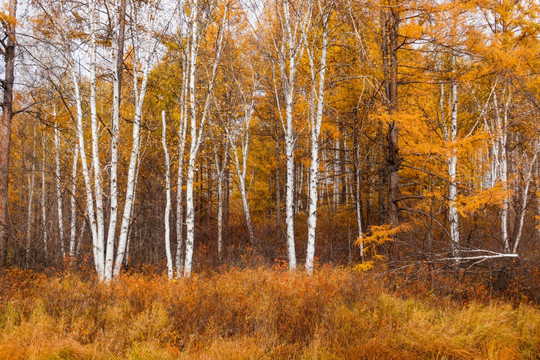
(317,108)
(170,269)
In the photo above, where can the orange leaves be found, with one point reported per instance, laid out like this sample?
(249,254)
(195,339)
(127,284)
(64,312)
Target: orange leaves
(479,200)
(376,236)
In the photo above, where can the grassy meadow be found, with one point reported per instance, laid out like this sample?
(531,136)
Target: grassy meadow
(257,314)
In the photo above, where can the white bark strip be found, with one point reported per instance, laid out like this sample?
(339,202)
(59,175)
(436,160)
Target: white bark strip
(131,176)
(501,131)
(197,127)
(452,164)
(97,249)
(315,124)
(182,133)
(241,167)
(117,55)
(289,53)
(44,198)
(170,270)
(221,165)
(525,197)
(58,186)
(190,212)
(31,185)
(96,164)
(73,205)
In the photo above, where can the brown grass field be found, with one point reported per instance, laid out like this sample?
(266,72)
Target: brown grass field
(258,314)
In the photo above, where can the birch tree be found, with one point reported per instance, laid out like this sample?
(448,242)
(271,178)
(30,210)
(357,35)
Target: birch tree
(318,82)
(170,269)
(58,188)
(287,48)
(238,136)
(198,117)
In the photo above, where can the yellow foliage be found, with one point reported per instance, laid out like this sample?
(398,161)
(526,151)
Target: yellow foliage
(468,204)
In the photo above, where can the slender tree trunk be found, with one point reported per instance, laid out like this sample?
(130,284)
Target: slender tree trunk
(182,132)
(197,129)
(44,200)
(170,269)
(245,205)
(221,165)
(317,109)
(226,222)
(358,196)
(452,163)
(390,67)
(525,198)
(220,217)
(30,204)
(5,128)
(59,198)
(134,157)
(278,192)
(190,211)
(289,199)
(117,64)
(96,245)
(501,129)
(73,205)
(241,170)
(96,163)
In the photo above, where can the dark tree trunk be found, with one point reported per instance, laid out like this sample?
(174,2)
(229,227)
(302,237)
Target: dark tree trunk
(5,129)
(389,48)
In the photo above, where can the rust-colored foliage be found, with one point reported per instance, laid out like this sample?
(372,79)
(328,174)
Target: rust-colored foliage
(261,313)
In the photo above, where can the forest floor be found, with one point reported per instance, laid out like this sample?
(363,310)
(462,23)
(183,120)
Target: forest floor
(262,313)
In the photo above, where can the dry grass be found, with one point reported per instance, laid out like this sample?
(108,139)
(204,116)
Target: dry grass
(252,314)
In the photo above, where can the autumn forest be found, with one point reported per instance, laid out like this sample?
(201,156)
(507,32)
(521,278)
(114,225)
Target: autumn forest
(378,154)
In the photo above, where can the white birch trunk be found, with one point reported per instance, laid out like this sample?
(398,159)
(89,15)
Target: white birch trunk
(182,132)
(220,169)
(73,206)
(289,56)
(44,198)
(358,201)
(197,127)
(316,122)
(117,55)
(220,217)
(452,164)
(31,186)
(96,164)
(190,211)
(58,186)
(170,269)
(501,125)
(525,198)
(97,246)
(241,168)
(133,160)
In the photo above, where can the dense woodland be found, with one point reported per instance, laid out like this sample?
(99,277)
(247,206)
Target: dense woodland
(198,134)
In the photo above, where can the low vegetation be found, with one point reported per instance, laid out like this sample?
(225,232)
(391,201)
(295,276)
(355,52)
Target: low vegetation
(259,314)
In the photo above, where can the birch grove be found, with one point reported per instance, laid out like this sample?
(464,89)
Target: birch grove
(193,135)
